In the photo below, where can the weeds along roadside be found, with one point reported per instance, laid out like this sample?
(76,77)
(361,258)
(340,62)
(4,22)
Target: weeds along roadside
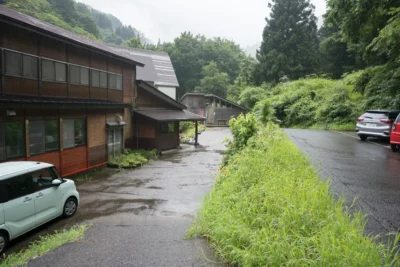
(269,208)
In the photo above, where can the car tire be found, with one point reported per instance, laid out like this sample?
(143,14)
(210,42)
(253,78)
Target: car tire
(395,148)
(70,207)
(3,241)
(363,137)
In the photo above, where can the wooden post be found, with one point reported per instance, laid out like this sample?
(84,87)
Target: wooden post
(196,143)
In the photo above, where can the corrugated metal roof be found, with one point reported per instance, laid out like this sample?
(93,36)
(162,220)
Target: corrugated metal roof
(158,66)
(9,16)
(169,115)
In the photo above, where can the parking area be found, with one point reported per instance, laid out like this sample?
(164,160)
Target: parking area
(366,170)
(140,216)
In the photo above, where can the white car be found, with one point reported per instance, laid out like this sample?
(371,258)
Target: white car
(31,194)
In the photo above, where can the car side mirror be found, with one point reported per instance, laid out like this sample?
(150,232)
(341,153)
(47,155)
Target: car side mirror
(56,182)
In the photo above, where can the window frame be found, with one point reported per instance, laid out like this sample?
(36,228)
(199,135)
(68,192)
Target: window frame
(168,123)
(23,143)
(116,78)
(21,75)
(79,75)
(54,67)
(86,135)
(44,137)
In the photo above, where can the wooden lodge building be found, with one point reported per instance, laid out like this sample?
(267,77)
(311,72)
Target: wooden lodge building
(74,102)
(217,110)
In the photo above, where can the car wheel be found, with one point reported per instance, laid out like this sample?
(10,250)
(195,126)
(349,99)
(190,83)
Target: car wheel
(395,148)
(363,137)
(3,241)
(70,207)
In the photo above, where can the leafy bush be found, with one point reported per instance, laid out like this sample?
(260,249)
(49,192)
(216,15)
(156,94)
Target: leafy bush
(269,208)
(317,101)
(242,129)
(133,158)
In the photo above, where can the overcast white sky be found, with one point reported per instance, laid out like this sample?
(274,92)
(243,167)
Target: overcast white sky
(237,20)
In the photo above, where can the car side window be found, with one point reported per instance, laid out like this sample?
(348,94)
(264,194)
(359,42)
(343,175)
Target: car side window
(19,186)
(42,179)
(3,193)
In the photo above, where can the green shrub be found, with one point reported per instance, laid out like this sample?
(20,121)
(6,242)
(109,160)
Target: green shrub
(188,130)
(133,158)
(242,128)
(269,208)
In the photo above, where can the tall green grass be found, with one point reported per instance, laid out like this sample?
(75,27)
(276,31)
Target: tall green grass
(269,208)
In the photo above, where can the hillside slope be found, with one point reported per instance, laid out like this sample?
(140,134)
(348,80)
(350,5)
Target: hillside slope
(78,18)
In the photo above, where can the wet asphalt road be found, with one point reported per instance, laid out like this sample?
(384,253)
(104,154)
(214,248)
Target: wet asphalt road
(367,170)
(140,216)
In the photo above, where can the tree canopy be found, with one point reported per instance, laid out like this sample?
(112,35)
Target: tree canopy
(290,42)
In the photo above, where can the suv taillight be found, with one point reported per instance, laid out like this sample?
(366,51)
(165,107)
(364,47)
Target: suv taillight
(360,120)
(386,121)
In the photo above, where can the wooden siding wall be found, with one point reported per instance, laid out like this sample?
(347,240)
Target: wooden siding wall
(168,141)
(14,38)
(73,160)
(147,100)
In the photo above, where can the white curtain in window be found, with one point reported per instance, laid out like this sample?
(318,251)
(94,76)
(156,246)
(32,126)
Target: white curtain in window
(68,134)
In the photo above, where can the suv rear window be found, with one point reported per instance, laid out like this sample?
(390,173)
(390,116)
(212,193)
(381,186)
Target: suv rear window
(376,116)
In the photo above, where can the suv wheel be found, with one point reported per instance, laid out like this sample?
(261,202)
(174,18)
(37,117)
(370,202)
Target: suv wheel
(70,207)
(363,137)
(3,241)
(395,148)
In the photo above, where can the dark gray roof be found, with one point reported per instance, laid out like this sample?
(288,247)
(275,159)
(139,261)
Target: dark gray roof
(169,115)
(212,95)
(158,66)
(11,16)
(157,93)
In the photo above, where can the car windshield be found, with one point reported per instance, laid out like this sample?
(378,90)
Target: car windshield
(376,116)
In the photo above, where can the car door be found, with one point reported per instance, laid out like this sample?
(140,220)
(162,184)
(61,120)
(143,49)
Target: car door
(19,209)
(47,196)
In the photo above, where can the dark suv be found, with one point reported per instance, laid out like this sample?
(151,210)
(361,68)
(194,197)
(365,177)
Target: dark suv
(376,123)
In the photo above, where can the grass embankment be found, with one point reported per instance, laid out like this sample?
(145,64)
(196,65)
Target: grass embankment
(269,208)
(188,130)
(45,244)
(318,103)
(133,158)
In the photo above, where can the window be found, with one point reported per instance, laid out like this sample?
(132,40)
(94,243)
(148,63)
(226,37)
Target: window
(15,139)
(95,78)
(78,75)
(73,74)
(119,82)
(115,81)
(21,65)
(74,133)
(103,79)
(30,66)
(99,78)
(54,71)
(42,179)
(84,76)
(13,63)
(43,136)
(167,127)
(61,72)
(19,186)
(2,141)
